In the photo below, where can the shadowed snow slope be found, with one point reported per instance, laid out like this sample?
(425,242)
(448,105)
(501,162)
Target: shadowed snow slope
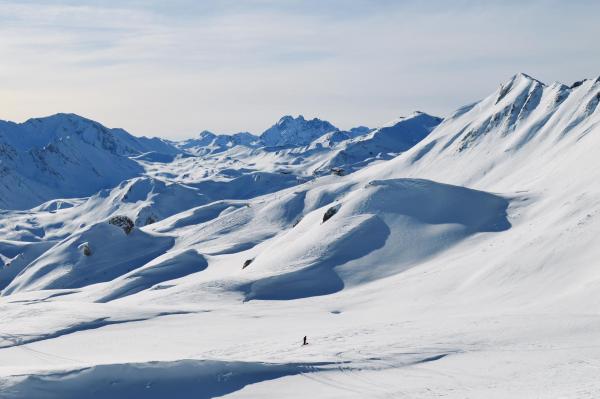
(379,144)
(384,143)
(160,269)
(156,380)
(401,222)
(113,253)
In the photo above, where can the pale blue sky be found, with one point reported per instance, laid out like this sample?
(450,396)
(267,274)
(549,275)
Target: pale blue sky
(174,68)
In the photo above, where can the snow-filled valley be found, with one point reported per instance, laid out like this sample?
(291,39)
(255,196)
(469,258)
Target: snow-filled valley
(423,258)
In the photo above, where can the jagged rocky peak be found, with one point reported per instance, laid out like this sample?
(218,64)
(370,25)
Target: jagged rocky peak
(290,131)
(206,133)
(584,81)
(204,138)
(578,83)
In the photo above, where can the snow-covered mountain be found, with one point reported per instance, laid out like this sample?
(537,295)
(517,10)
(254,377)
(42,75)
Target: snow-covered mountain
(457,259)
(287,132)
(522,132)
(65,155)
(382,143)
(210,143)
(290,131)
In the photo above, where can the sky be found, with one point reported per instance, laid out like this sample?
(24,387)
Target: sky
(174,68)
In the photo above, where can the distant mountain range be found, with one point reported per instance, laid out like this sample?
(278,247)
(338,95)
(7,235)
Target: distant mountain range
(66,156)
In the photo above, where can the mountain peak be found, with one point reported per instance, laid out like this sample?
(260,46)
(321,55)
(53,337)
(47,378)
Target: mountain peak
(286,119)
(206,133)
(60,117)
(290,131)
(520,77)
(517,83)
(416,115)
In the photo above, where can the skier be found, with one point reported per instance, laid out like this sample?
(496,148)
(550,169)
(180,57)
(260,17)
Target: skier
(305,342)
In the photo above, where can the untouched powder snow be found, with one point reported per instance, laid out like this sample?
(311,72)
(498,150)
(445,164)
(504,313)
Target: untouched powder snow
(450,258)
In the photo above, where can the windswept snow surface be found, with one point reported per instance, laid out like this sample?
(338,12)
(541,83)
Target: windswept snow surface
(450,258)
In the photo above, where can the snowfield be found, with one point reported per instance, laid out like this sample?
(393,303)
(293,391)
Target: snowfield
(425,258)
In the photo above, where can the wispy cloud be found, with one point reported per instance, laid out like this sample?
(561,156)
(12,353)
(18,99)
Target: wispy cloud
(174,68)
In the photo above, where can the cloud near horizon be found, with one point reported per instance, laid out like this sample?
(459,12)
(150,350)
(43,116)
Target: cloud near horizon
(172,69)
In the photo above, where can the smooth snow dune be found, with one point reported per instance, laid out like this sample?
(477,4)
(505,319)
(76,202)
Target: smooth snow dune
(113,253)
(155,157)
(144,200)
(195,216)
(151,200)
(408,220)
(164,268)
(197,379)
(247,186)
(15,256)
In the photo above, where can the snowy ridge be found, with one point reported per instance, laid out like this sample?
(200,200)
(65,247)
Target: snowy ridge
(383,143)
(523,122)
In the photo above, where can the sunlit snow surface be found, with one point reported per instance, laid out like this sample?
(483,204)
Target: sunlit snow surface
(464,267)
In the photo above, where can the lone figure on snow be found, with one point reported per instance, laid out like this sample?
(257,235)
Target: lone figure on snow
(305,342)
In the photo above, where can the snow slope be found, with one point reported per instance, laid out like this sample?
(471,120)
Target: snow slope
(462,267)
(383,143)
(113,253)
(400,221)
